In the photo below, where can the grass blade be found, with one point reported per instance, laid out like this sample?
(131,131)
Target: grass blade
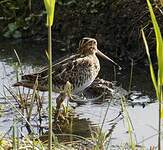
(159,51)
(159,43)
(150,63)
(50,7)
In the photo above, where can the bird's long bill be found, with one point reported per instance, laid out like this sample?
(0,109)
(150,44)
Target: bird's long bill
(106,57)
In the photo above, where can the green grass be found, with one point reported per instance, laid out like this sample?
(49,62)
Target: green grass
(127,120)
(156,79)
(98,137)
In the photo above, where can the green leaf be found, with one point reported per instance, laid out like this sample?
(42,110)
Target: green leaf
(153,77)
(50,6)
(159,43)
(12,27)
(17,34)
(7,34)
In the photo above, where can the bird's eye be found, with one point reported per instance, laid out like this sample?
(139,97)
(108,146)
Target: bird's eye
(94,42)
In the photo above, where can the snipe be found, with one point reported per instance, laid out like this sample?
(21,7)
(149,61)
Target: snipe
(80,70)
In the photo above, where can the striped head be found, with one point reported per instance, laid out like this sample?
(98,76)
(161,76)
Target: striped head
(88,46)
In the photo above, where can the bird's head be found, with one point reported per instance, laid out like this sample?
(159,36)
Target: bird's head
(88,46)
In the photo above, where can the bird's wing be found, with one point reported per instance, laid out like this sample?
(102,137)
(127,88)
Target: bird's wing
(66,70)
(71,71)
(57,69)
(59,62)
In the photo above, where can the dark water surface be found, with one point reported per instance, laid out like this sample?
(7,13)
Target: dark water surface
(142,110)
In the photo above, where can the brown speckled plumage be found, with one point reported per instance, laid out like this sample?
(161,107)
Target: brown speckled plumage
(80,70)
(77,69)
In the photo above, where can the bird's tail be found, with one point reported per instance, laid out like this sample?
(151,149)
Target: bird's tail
(30,81)
(27,81)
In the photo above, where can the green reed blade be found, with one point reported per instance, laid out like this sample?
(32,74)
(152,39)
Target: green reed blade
(159,43)
(50,7)
(150,63)
(159,51)
(14,135)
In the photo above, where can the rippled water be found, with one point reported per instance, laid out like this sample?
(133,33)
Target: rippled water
(141,107)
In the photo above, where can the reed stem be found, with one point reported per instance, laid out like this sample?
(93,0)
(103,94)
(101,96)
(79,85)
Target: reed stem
(50,85)
(159,123)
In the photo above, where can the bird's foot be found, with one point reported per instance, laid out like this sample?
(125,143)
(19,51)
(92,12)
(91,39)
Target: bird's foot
(61,118)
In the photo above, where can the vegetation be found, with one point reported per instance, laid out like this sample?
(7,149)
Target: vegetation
(85,18)
(21,17)
(18,19)
(50,7)
(157,82)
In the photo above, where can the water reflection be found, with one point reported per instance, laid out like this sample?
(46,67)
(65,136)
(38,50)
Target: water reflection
(30,53)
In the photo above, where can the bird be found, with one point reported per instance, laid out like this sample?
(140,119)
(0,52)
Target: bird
(80,70)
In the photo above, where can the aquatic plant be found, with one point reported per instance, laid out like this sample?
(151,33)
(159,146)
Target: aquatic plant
(156,79)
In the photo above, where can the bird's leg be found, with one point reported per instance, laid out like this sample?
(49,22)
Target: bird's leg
(59,101)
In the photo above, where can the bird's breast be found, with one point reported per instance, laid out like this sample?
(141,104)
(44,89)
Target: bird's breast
(86,75)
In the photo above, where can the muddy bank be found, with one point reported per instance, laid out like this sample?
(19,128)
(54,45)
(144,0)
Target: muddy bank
(115,24)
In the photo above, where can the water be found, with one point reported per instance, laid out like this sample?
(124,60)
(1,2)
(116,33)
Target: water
(141,106)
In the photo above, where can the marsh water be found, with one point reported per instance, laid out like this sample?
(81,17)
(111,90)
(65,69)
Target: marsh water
(141,105)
